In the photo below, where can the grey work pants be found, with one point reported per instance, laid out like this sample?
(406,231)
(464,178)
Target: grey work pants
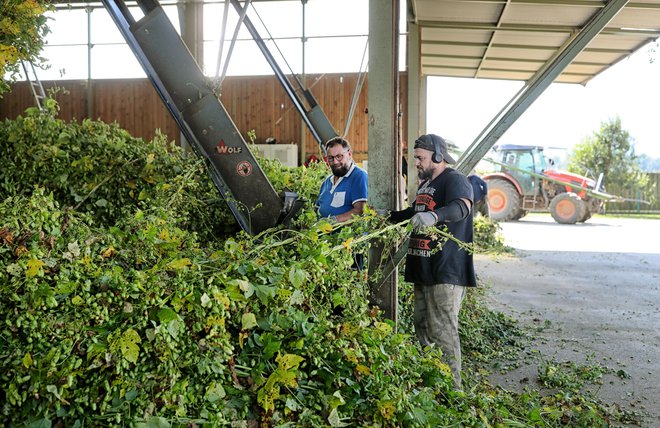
(436,321)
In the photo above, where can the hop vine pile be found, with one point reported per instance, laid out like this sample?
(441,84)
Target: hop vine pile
(123,303)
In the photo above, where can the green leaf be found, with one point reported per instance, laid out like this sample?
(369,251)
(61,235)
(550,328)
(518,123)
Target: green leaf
(180,263)
(166,315)
(289,361)
(214,392)
(297,298)
(286,377)
(158,422)
(232,247)
(127,344)
(41,423)
(53,390)
(334,419)
(96,349)
(174,327)
(234,292)
(267,395)
(74,248)
(271,346)
(265,293)
(336,400)
(33,267)
(248,321)
(245,286)
(291,404)
(27,360)
(297,277)
(535,415)
(14,269)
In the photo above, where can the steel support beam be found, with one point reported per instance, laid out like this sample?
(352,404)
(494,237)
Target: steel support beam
(535,86)
(492,37)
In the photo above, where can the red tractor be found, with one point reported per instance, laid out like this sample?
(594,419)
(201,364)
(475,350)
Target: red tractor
(522,182)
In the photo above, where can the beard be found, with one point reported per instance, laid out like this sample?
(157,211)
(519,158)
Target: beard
(340,171)
(424,174)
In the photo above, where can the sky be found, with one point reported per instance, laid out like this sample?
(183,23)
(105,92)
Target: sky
(459,109)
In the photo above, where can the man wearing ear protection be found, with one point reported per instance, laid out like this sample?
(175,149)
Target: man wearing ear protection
(444,197)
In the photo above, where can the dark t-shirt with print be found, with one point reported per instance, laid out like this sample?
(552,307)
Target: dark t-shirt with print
(451,264)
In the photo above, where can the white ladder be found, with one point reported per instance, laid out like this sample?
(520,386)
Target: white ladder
(34,82)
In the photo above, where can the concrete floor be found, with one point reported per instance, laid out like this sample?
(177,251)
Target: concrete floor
(591,292)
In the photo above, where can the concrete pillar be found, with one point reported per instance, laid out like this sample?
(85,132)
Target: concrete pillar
(383,103)
(90,81)
(191,22)
(302,147)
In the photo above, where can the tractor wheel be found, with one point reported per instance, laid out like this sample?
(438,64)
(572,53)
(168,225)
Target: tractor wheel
(593,207)
(504,200)
(587,215)
(521,214)
(567,208)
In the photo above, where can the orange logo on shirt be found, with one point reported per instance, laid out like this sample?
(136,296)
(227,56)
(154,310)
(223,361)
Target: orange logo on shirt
(426,200)
(422,244)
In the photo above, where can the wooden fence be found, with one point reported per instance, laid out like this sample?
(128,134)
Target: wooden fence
(649,193)
(254,103)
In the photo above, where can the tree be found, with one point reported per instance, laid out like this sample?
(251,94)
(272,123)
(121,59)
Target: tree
(23,27)
(609,150)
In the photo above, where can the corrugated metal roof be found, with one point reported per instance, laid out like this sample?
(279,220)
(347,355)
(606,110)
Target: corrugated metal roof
(513,39)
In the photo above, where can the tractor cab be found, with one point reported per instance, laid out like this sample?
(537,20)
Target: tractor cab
(518,161)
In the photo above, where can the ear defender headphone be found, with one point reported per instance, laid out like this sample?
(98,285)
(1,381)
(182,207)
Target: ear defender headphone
(437,156)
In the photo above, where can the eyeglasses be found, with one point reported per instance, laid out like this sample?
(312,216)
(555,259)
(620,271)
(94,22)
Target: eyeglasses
(337,158)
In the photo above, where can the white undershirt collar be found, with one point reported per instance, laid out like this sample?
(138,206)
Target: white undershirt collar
(335,184)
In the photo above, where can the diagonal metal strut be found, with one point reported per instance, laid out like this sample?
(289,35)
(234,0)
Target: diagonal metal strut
(536,85)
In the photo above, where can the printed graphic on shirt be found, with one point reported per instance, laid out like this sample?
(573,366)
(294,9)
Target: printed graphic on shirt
(424,203)
(419,247)
(426,190)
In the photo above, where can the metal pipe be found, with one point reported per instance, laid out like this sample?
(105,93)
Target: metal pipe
(222,37)
(243,15)
(278,72)
(90,82)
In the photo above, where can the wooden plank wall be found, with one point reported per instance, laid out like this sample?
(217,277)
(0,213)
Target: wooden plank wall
(254,103)
(650,193)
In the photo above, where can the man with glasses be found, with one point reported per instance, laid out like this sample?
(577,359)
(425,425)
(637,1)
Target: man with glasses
(344,193)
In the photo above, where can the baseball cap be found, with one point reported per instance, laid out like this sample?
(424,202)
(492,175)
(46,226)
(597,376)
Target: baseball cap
(428,142)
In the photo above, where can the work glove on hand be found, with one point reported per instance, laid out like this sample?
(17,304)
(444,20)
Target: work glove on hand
(421,221)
